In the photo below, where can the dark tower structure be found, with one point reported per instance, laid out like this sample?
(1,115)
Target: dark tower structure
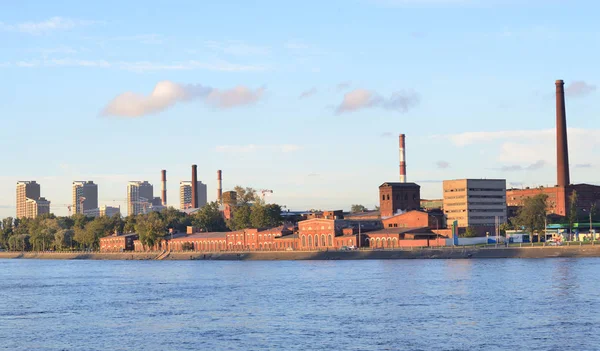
(562,148)
(194,186)
(163,186)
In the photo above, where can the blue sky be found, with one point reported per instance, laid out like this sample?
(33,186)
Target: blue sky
(303,98)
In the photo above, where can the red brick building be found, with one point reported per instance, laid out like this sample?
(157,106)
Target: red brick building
(558,197)
(118,242)
(395,197)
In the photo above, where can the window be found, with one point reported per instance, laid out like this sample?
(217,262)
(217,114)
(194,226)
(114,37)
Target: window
(309,240)
(316,240)
(323,240)
(383,197)
(303,240)
(330,240)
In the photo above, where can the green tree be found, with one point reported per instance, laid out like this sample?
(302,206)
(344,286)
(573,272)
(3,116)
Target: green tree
(19,242)
(246,195)
(532,216)
(356,208)
(470,232)
(129,224)
(265,216)
(175,219)
(150,228)
(504,227)
(6,231)
(241,218)
(209,218)
(63,239)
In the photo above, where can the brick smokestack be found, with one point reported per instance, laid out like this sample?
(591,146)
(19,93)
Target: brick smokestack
(562,148)
(163,187)
(219,187)
(194,186)
(402,160)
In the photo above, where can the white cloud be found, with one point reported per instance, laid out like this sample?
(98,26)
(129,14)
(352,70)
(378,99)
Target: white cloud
(308,93)
(529,149)
(237,96)
(166,94)
(361,98)
(49,25)
(579,89)
(284,148)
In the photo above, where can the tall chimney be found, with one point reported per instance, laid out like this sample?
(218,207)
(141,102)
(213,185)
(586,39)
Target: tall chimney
(562,148)
(219,187)
(194,186)
(163,187)
(402,160)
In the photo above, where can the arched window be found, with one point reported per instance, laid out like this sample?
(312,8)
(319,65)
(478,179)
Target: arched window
(330,240)
(316,240)
(260,246)
(303,241)
(378,243)
(383,197)
(323,243)
(388,196)
(309,241)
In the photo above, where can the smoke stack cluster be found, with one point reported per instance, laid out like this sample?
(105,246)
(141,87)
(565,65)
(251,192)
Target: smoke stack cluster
(402,160)
(194,186)
(163,187)
(562,149)
(219,187)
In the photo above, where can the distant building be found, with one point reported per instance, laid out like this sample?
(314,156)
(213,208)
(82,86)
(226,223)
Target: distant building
(477,203)
(118,242)
(34,208)
(109,211)
(139,197)
(230,198)
(26,190)
(185,194)
(429,205)
(395,198)
(86,191)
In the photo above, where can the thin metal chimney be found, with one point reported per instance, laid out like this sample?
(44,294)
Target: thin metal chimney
(402,160)
(194,186)
(163,187)
(562,148)
(219,187)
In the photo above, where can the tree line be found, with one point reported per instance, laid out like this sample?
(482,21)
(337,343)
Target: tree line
(78,232)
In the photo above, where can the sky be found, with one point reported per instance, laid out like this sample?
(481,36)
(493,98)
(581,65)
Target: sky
(305,98)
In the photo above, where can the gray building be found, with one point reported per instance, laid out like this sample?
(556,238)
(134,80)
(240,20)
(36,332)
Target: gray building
(139,197)
(86,191)
(185,194)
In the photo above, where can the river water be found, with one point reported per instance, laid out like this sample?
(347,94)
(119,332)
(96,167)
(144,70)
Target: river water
(495,304)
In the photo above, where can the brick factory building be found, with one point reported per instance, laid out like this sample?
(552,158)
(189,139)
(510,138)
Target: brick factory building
(398,197)
(559,195)
(414,228)
(118,242)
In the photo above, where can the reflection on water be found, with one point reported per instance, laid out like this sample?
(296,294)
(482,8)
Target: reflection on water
(540,304)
